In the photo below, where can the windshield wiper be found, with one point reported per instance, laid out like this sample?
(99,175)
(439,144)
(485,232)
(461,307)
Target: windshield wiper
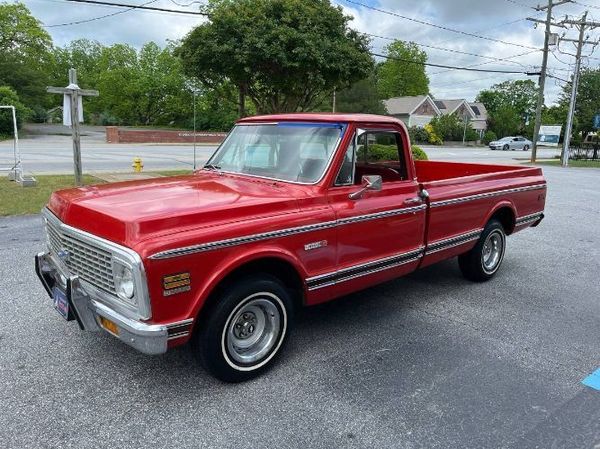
(212,167)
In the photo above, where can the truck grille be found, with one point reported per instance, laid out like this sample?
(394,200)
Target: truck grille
(90,263)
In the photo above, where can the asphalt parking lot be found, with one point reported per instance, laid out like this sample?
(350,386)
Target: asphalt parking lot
(426,361)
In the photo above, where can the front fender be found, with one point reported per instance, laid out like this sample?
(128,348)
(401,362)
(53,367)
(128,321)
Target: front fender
(237,259)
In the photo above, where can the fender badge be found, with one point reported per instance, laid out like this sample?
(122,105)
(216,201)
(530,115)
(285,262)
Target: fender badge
(176,283)
(315,245)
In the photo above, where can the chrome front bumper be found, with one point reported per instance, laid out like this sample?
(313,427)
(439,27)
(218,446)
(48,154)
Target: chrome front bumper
(87,310)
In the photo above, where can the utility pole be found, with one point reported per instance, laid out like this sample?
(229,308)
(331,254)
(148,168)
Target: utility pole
(72,94)
(333,102)
(542,79)
(582,24)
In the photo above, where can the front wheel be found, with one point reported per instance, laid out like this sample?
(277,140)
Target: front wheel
(483,261)
(245,329)
(505,148)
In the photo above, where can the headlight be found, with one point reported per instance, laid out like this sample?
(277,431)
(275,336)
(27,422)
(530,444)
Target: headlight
(124,283)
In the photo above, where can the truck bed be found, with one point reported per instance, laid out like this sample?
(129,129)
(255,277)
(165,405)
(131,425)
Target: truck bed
(432,171)
(462,197)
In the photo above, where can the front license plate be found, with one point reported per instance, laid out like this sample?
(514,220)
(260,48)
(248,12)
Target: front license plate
(61,304)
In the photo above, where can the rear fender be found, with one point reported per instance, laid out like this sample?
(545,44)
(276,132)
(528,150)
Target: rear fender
(498,206)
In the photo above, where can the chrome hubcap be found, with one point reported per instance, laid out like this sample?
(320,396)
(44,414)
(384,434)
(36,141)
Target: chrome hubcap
(253,330)
(493,248)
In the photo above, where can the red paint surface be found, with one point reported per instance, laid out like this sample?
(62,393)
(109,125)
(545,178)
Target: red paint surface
(166,213)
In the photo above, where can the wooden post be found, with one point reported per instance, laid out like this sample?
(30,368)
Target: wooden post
(74,92)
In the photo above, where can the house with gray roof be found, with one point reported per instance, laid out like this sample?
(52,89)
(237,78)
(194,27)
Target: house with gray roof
(413,111)
(419,110)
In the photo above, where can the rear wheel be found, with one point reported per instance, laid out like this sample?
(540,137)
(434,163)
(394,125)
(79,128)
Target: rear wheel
(525,147)
(246,328)
(483,261)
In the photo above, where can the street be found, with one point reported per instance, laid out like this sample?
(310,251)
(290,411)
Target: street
(48,154)
(426,361)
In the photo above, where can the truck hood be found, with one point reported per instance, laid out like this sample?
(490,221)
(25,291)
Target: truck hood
(129,212)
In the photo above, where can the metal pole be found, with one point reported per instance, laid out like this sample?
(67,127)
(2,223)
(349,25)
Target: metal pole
(567,139)
(194,96)
(542,84)
(333,105)
(16,151)
(73,94)
(465,131)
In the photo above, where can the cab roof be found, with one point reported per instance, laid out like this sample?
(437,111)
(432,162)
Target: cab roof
(322,117)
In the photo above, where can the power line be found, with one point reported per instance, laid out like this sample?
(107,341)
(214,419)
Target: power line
(443,66)
(185,5)
(586,5)
(147,8)
(489,62)
(77,22)
(450,50)
(521,4)
(441,27)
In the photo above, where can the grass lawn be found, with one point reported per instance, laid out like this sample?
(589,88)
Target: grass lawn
(17,200)
(572,163)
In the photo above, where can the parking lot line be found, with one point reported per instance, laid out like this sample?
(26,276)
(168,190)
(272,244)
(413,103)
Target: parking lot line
(593,380)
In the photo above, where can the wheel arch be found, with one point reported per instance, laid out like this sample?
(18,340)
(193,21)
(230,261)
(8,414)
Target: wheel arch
(505,213)
(277,263)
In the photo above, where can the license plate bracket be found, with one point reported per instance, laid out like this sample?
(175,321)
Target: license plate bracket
(61,303)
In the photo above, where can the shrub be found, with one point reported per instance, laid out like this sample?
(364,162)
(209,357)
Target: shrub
(489,136)
(418,134)
(39,115)
(471,135)
(379,152)
(432,137)
(419,154)
(9,97)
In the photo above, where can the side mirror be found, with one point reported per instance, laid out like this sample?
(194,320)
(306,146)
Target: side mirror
(369,182)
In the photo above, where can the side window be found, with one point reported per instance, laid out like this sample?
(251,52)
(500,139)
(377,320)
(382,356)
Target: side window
(376,153)
(380,153)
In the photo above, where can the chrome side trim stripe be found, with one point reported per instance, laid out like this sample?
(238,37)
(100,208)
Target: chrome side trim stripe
(457,240)
(387,213)
(525,219)
(479,196)
(356,271)
(281,233)
(179,329)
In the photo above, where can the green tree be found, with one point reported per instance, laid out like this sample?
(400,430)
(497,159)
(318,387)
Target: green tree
(360,97)
(9,97)
(507,100)
(505,121)
(452,127)
(587,104)
(404,73)
(285,55)
(25,50)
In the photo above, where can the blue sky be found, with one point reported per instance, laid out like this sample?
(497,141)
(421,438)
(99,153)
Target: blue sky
(497,19)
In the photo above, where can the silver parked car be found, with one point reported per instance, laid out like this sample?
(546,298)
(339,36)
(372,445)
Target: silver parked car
(511,143)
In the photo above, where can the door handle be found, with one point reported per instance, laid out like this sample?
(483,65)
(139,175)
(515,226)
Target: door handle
(413,200)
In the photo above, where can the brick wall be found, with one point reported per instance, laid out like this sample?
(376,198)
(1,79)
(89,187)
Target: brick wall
(115,134)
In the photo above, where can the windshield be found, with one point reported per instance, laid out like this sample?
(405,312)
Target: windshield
(288,151)
(506,139)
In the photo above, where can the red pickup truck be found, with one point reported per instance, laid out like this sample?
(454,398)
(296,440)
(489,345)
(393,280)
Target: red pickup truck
(291,210)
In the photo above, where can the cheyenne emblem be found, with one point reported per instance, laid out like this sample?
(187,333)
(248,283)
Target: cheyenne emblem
(176,283)
(315,245)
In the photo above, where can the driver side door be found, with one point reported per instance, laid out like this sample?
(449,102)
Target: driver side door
(380,233)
